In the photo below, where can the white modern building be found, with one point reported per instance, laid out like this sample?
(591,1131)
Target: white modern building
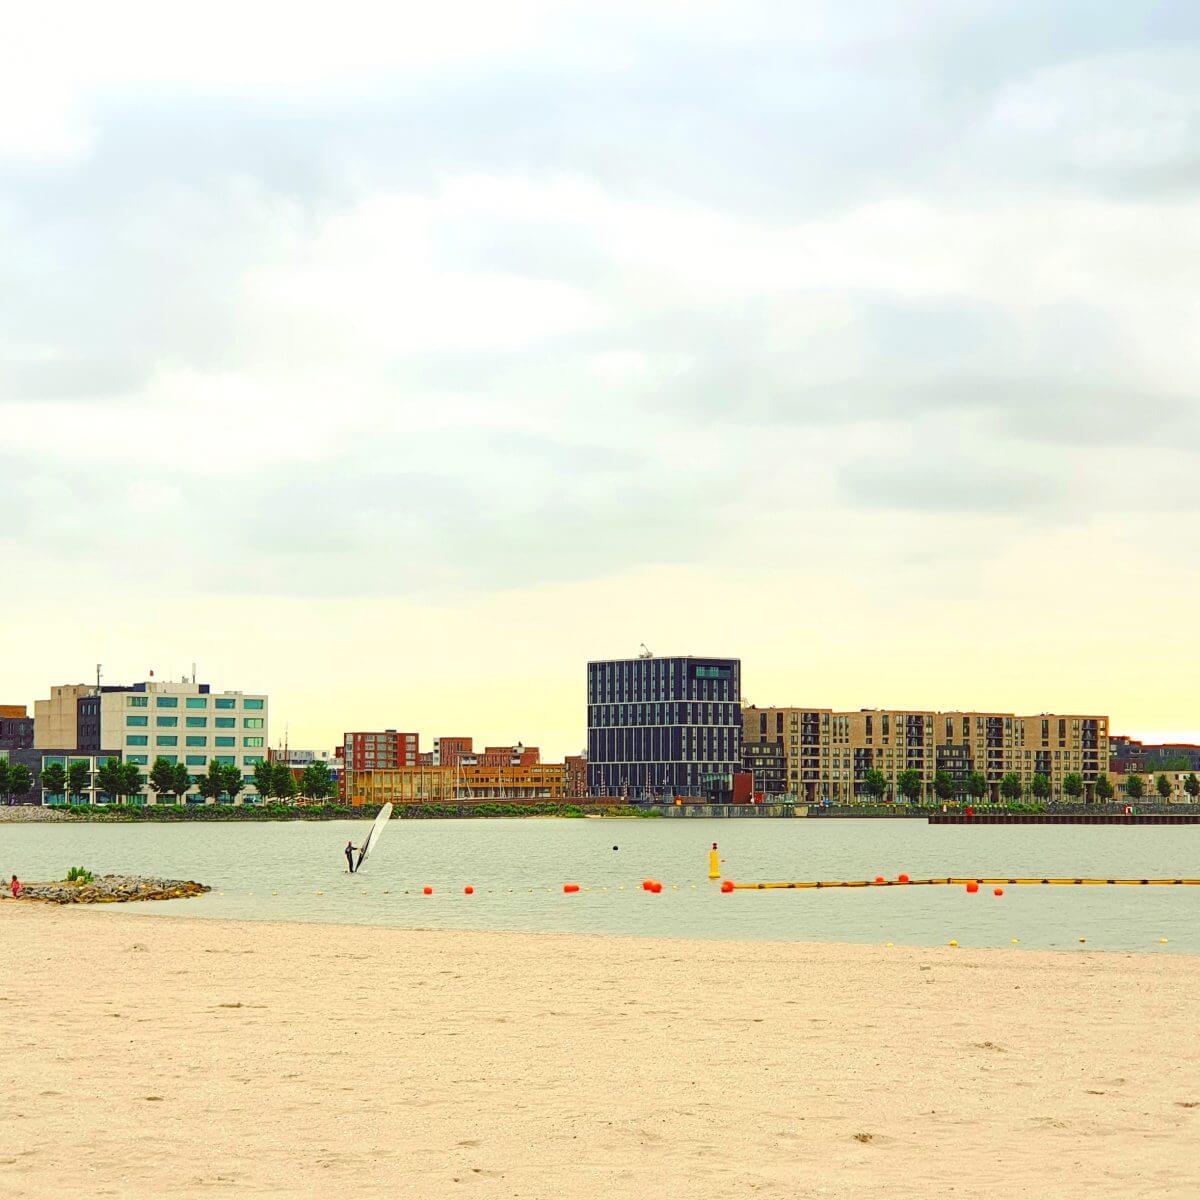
(183,722)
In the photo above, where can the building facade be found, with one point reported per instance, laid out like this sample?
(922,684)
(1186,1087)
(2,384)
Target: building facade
(183,722)
(663,726)
(16,727)
(828,753)
(381,750)
(400,785)
(448,750)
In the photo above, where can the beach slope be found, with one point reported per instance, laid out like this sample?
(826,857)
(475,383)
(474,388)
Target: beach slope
(160,1057)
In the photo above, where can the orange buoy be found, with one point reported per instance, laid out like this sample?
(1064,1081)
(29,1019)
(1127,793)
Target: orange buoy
(656,887)
(879,879)
(570,887)
(727,886)
(428,891)
(647,885)
(997,891)
(468,890)
(972,887)
(901,878)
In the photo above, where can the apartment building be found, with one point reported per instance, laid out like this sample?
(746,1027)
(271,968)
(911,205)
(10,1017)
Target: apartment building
(380,750)
(828,753)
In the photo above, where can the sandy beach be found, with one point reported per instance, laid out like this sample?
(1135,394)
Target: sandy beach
(155,1056)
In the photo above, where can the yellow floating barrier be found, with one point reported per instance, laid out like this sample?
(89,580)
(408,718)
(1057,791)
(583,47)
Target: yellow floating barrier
(952,881)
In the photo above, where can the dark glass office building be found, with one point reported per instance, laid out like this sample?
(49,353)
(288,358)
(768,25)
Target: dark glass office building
(664,726)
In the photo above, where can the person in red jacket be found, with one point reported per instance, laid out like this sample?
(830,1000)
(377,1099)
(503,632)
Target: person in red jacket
(15,887)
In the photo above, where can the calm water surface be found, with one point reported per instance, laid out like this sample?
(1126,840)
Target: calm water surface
(274,871)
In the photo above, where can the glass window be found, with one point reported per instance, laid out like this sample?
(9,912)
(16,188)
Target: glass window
(225,722)
(225,741)
(196,722)
(253,722)
(171,758)
(251,759)
(252,741)
(137,722)
(167,702)
(196,702)
(138,701)
(196,760)
(166,722)
(227,759)
(50,760)
(136,739)
(255,704)
(225,702)
(140,759)
(196,740)
(166,740)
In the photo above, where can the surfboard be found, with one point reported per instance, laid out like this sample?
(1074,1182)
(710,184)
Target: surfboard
(376,833)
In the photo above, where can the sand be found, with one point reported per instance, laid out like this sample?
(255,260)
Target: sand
(163,1057)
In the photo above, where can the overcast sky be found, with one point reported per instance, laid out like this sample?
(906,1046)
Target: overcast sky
(397,358)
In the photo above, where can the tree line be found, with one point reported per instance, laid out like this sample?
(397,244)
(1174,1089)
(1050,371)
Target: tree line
(168,780)
(911,785)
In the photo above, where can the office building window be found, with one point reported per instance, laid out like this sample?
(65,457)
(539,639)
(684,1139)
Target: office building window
(171,758)
(139,759)
(137,701)
(137,722)
(167,702)
(196,760)
(196,740)
(227,759)
(136,739)
(225,722)
(196,702)
(166,722)
(196,722)
(251,759)
(254,704)
(166,740)
(225,702)
(252,741)
(224,741)
(253,722)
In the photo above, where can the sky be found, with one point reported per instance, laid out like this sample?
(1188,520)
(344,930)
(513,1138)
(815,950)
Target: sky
(396,359)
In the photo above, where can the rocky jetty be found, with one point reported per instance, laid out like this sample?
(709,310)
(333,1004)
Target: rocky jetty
(112,889)
(32,812)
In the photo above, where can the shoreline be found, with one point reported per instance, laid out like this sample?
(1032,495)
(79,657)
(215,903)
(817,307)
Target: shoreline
(427,1062)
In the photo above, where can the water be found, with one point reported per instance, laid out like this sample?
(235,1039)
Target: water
(275,870)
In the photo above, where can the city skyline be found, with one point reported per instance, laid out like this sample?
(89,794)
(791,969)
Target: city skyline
(401,364)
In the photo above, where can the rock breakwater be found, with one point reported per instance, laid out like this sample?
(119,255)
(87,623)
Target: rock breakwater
(113,889)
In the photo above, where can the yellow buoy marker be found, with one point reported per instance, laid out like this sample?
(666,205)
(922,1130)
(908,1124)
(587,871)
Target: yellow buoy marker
(951,942)
(714,863)
(1162,941)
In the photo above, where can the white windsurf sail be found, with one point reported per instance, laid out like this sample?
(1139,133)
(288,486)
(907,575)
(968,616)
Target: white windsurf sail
(376,833)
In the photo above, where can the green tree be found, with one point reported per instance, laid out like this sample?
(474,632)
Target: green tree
(79,778)
(1040,787)
(1072,785)
(1191,785)
(183,781)
(131,780)
(908,782)
(264,778)
(108,777)
(1010,786)
(1176,762)
(164,781)
(54,780)
(944,785)
(1163,785)
(1135,787)
(231,780)
(286,787)
(212,782)
(20,780)
(977,785)
(873,784)
(1104,788)
(316,783)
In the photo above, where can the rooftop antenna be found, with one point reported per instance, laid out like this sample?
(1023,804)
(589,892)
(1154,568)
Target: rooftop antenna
(98,676)
(193,673)
(646,652)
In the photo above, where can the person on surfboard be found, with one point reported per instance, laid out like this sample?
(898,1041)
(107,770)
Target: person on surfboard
(350,849)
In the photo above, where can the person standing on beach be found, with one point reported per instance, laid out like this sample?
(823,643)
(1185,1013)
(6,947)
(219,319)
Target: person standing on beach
(15,887)
(350,849)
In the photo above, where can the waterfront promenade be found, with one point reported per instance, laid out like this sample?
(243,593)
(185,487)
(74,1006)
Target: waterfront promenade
(164,1057)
